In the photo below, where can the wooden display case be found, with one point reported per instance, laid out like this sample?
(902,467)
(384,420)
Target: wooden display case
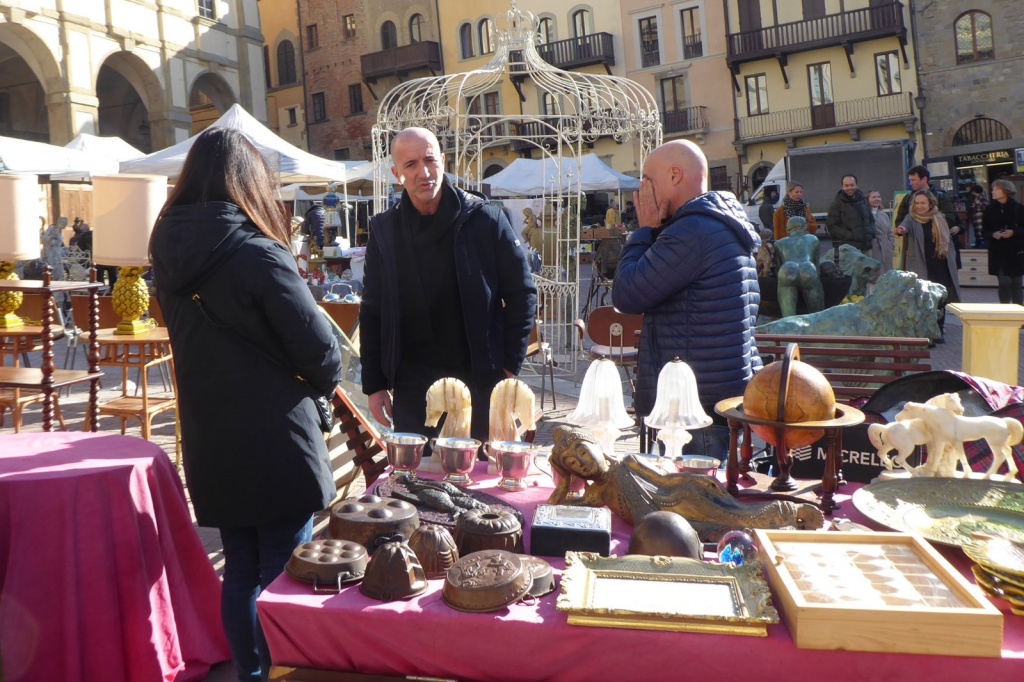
(885,592)
(974,272)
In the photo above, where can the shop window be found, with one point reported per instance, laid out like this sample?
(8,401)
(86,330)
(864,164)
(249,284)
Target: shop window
(974,37)
(285,63)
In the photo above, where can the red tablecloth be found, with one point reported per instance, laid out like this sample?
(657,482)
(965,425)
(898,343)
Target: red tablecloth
(424,637)
(102,575)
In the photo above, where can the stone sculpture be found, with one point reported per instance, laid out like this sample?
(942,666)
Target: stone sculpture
(900,305)
(796,261)
(632,490)
(862,270)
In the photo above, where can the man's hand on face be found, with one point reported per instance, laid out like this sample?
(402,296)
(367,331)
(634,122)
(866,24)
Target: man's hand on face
(649,213)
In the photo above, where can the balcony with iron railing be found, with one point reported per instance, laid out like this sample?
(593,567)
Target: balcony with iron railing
(841,28)
(399,61)
(683,121)
(572,53)
(855,113)
(693,46)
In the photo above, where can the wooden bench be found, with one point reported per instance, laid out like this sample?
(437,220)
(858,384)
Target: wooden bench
(855,366)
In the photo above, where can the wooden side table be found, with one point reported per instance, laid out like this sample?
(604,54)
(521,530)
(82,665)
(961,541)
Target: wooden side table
(46,379)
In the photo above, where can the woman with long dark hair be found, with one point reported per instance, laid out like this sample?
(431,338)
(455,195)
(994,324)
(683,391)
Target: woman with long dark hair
(1003,228)
(251,350)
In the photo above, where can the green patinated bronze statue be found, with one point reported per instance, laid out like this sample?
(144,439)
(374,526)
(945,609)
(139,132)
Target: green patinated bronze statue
(796,260)
(632,490)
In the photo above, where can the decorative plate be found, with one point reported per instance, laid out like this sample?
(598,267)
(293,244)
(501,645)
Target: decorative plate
(948,511)
(1000,554)
(994,587)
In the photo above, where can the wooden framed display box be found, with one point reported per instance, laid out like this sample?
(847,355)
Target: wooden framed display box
(885,592)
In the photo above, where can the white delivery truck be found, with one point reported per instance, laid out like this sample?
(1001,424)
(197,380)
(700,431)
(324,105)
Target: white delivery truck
(880,165)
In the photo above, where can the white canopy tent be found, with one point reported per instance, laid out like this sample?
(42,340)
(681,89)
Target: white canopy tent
(291,163)
(24,156)
(534,177)
(101,147)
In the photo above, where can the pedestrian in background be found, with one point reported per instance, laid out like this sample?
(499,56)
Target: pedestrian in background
(767,208)
(1003,228)
(884,243)
(849,218)
(976,207)
(793,206)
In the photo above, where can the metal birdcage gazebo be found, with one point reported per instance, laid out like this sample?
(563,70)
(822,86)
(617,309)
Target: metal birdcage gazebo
(578,109)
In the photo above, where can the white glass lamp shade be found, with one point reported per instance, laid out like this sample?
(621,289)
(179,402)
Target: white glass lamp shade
(19,217)
(677,405)
(125,207)
(601,402)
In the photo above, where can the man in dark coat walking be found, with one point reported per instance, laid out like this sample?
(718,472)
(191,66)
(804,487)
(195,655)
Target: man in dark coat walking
(690,270)
(447,292)
(849,217)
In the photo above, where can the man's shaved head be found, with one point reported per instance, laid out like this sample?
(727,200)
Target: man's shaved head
(678,171)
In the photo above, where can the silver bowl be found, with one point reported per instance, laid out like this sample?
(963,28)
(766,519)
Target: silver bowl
(405,450)
(457,457)
(697,464)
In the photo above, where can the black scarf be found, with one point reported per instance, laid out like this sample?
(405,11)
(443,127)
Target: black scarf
(793,209)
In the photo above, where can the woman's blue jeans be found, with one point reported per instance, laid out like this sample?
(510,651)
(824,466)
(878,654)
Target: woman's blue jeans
(253,557)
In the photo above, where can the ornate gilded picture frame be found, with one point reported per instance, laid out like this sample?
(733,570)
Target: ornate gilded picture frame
(666,593)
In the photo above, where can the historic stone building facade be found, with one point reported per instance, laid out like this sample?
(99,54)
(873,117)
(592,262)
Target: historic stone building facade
(288,37)
(972,77)
(132,68)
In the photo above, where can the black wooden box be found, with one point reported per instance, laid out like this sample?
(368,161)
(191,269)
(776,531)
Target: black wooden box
(558,529)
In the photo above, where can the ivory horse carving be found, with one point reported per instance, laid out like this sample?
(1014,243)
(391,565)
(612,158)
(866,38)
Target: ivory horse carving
(451,396)
(511,401)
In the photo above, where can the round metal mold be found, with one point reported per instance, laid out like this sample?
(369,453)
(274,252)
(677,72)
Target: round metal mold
(365,518)
(486,581)
(328,564)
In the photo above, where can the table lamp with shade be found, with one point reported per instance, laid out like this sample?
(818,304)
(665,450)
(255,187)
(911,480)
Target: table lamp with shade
(125,207)
(19,237)
(601,408)
(677,407)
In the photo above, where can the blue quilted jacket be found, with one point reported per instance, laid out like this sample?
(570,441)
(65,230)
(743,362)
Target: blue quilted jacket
(695,281)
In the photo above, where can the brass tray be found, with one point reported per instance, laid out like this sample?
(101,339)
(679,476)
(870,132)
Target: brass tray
(948,511)
(1000,554)
(666,593)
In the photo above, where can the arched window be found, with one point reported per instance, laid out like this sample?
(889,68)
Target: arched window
(416,28)
(466,41)
(388,36)
(485,27)
(580,23)
(546,30)
(981,131)
(974,37)
(285,63)
(493,169)
(547,104)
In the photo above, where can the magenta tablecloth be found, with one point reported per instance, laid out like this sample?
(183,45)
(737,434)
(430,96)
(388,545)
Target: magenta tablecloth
(422,636)
(102,574)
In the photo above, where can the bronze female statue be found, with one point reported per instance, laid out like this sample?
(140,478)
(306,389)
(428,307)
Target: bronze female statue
(632,490)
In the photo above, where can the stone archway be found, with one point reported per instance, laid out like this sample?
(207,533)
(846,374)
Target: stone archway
(29,77)
(130,98)
(209,97)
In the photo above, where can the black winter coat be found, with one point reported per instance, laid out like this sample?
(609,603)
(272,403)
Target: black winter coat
(1005,256)
(252,447)
(849,221)
(499,297)
(695,282)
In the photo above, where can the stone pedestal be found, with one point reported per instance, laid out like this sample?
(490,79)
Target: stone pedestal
(991,339)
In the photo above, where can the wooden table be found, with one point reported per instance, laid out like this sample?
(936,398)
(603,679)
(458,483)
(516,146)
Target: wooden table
(144,352)
(47,379)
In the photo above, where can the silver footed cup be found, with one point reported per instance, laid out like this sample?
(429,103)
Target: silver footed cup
(405,451)
(457,457)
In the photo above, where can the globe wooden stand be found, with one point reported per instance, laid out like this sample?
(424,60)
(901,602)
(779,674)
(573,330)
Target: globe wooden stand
(732,410)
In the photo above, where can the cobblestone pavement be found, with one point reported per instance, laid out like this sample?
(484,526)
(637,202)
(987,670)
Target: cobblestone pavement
(567,387)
